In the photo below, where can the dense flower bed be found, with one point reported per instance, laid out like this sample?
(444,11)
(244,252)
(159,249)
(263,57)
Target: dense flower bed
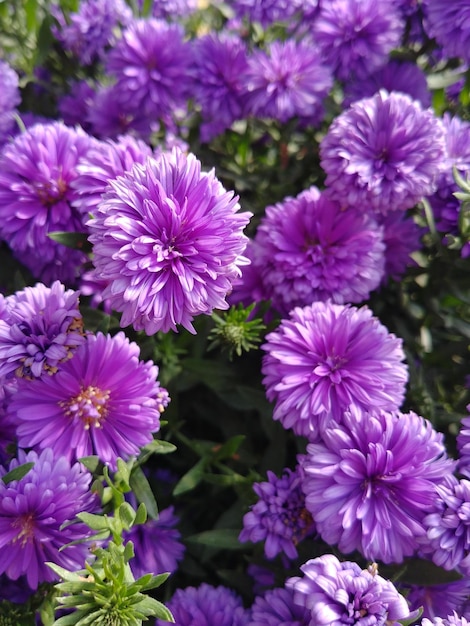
(235,312)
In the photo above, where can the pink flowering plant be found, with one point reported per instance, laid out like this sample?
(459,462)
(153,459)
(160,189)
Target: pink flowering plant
(235,313)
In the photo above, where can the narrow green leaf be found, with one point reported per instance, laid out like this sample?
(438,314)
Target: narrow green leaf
(150,606)
(64,573)
(143,491)
(229,448)
(159,446)
(191,479)
(141,515)
(17,473)
(223,538)
(154,582)
(95,522)
(127,515)
(76,241)
(92,463)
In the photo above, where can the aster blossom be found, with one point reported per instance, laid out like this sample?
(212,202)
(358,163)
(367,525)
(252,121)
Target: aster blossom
(219,70)
(326,357)
(279,518)
(157,545)
(385,151)
(102,401)
(371,481)
(440,599)
(356,36)
(448,526)
(36,170)
(463,445)
(451,620)
(277,608)
(42,327)
(267,12)
(9,100)
(308,248)
(287,80)
(338,593)
(151,65)
(208,605)
(168,239)
(448,23)
(32,512)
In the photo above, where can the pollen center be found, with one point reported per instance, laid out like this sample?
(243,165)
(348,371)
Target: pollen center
(89,406)
(26,525)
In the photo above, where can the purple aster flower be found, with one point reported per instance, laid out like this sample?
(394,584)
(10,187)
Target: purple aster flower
(103,401)
(338,593)
(450,620)
(448,526)
(16,591)
(151,64)
(103,162)
(356,36)
(463,444)
(157,545)
(43,327)
(169,241)
(326,357)
(206,606)
(402,237)
(446,207)
(36,171)
(277,608)
(219,73)
(34,516)
(279,518)
(309,248)
(401,76)
(385,152)
(91,29)
(75,106)
(9,99)
(109,118)
(438,600)
(170,9)
(449,24)
(371,481)
(7,424)
(288,80)
(263,578)
(267,12)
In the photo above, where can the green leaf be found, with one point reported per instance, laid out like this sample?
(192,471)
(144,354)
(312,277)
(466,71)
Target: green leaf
(95,522)
(229,448)
(17,473)
(127,515)
(141,514)
(159,446)
(154,582)
(226,480)
(92,463)
(76,241)
(143,492)
(191,479)
(223,538)
(150,606)
(73,577)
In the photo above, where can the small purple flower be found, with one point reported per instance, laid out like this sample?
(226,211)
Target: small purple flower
(43,327)
(436,600)
(268,12)
(401,237)
(9,100)
(169,241)
(449,24)
(171,9)
(277,608)
(288,80)
(402,76)
(206,606)
(109,118)
(450,620)
(326,357)
(103,162)
(279,518)
(446,207)
(15,591)
(385,152)
(356,36)
(448,526)
(103,401)
(91,28)
(151,64)
(34,516)
(219,72)
(36,171)
(371,481)
(310,248)
(157,545)
(338,593)
(75,106)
